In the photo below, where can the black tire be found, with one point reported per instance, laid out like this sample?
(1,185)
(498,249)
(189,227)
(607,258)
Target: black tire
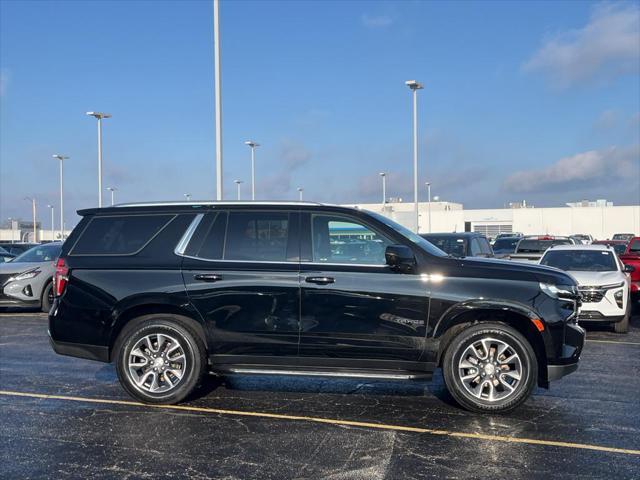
(190,344)
(504,333)
(46,299)
(623,325)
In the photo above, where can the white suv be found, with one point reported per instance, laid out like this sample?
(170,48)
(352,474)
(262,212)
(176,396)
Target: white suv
(602,281)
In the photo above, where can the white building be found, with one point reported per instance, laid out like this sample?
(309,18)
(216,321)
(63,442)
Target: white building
(600,221)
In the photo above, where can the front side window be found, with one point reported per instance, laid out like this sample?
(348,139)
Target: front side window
(257,236)
(581,260)
(452,245)
(338,239)
(634,247)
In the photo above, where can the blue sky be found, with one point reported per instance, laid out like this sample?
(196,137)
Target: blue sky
(522,100)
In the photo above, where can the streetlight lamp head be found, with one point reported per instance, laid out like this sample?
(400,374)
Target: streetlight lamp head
(383,174)
(300,189)
(99,114)
(251,143)
(413,85)
(238,182)
(59,157)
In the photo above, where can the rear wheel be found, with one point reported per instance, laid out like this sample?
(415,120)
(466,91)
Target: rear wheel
(159,359)
(490,367)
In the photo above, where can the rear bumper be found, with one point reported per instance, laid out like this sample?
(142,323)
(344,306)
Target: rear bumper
(80,350)
(556,372)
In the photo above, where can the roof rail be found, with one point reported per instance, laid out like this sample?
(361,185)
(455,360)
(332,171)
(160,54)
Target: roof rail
(209,202)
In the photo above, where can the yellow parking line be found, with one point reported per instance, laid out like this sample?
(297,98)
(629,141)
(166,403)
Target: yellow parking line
(330,421)
(613,341)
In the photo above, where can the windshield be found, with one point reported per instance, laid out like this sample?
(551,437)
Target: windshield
(505,245)
(415,238)
(41,253)
(449,244)
(581,260)
(539,246)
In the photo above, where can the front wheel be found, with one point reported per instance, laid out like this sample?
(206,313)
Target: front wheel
(159,359)
(490,367)
(623,325)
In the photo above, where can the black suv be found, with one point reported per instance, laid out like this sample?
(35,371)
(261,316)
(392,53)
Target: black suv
(171,291)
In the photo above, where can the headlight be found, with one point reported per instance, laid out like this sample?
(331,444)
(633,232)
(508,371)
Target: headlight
(26,275)
(618,297)
(559,291)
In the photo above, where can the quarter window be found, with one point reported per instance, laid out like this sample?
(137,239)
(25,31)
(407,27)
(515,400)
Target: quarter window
(119,235)
(341,240)
(257,236)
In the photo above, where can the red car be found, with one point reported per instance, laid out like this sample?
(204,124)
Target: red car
(620,246)
(631,256)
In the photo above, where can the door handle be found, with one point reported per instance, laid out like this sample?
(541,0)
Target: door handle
(207,277)
(320,280)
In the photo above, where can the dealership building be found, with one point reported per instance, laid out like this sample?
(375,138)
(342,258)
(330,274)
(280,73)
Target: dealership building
(601,219)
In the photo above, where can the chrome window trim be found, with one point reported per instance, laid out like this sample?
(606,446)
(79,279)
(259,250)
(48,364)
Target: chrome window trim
(186,237)
(213,203)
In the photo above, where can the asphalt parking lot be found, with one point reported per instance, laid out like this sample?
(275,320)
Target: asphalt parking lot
(68,418)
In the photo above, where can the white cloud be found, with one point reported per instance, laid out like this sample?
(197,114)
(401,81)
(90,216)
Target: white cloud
(577,171)
(376,21)
(606,47)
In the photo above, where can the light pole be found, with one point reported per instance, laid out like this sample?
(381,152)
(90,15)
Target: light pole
(62,158)
(253,145)
(384,188)
(11,225)
(238,182)
(33,211)
(218,96)
(300,190)
(428,184)
(52,225)
(112,189)
(415,86)
(187,196)
(99,116)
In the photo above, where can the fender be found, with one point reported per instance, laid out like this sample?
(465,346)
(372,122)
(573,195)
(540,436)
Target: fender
(448,318)
(142,304)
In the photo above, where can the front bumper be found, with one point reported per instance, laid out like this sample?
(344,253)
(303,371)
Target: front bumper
(16,302)
(593,317)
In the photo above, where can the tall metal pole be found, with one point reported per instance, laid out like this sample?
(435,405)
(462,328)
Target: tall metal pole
(33,207)
(99,162)
(415,155)
(253,172)
(429,197)
(62,158)
(415,86)
(237,182)
(300,190)
(384,188)
(218,99)
(112,190)
(52,225)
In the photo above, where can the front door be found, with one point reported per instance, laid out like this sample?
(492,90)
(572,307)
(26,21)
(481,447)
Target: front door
(241,273)
(353,305)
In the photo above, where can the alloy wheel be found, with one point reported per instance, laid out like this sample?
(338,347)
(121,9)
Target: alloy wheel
(157,363)
(490,369)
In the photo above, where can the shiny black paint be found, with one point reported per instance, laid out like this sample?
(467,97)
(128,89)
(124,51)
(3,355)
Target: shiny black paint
(258,310)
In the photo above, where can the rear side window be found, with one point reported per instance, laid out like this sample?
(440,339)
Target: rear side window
(119,235)
(257,236)
(635,247)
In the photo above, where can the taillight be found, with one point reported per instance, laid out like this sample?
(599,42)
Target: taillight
(61,277)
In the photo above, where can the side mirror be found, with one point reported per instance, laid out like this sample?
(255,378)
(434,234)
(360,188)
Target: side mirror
(629,269)
(400,257)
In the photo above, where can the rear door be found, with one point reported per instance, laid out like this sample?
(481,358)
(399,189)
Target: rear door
(354,308)
(241,273)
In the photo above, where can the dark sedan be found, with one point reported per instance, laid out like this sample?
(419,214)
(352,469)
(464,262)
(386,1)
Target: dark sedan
(463,244)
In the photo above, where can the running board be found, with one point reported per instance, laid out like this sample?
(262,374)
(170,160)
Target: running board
(325,373)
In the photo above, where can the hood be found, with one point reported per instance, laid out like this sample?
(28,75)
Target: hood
(596,279)
(508,269)
(11,268)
